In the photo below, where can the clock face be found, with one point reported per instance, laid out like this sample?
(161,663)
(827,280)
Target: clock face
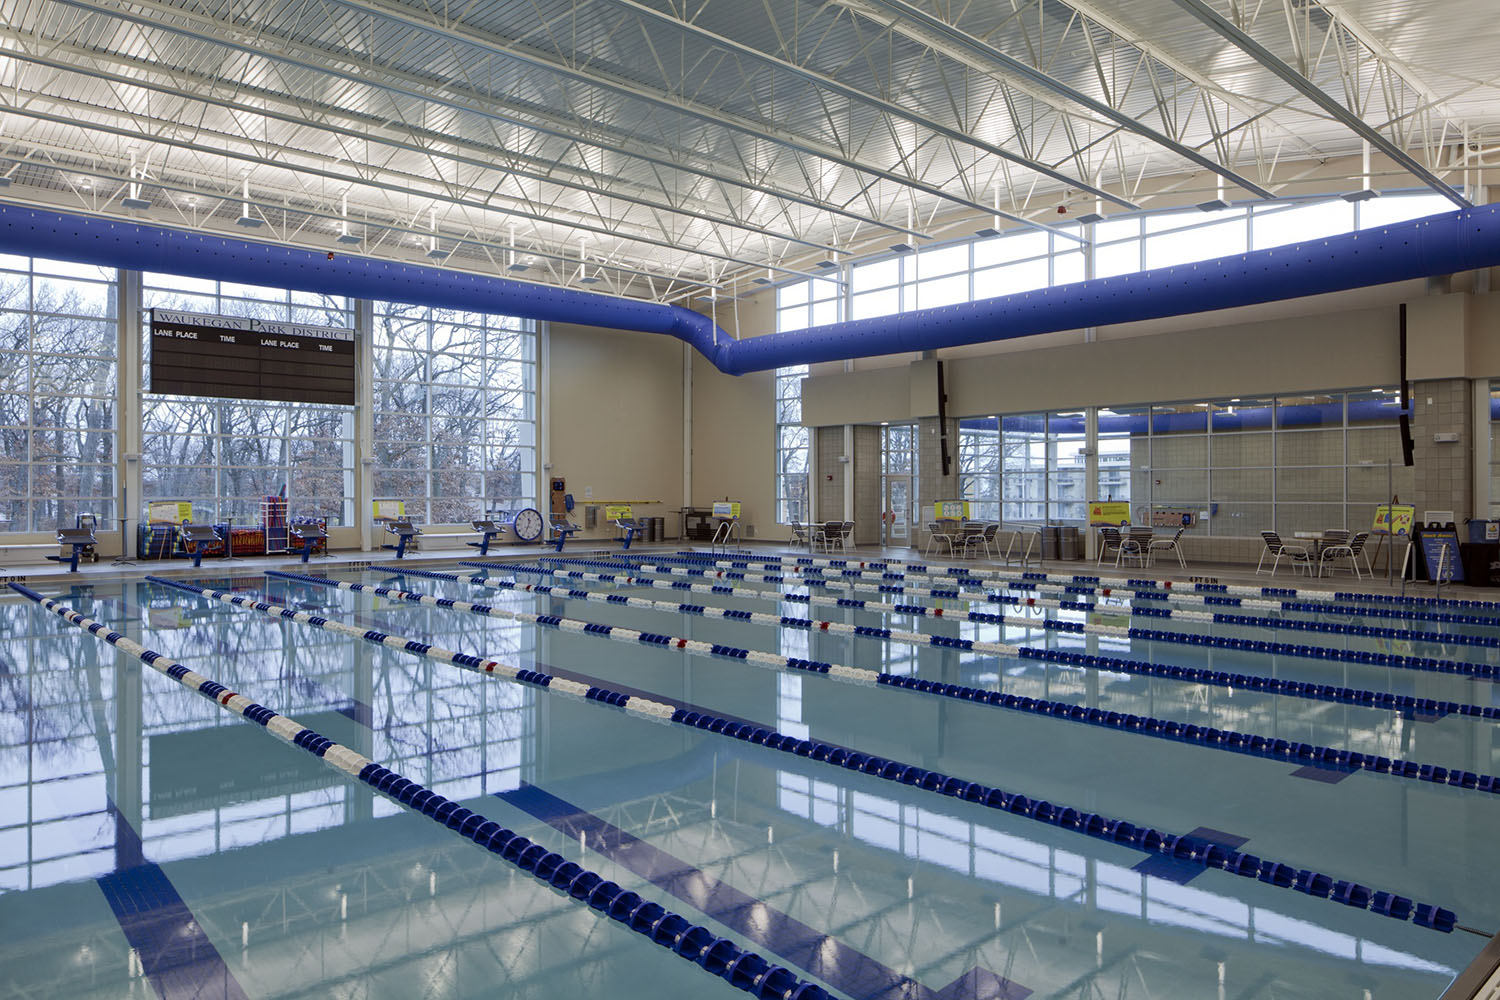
(527,525)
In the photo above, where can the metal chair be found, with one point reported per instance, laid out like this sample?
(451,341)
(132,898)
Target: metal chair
(1351,550)
(832,533)
(983,538)
(1109,538)
(1276,547)
(846,535)
(1163,544)
(937,533)
(801,537)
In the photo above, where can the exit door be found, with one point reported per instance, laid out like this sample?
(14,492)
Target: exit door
(897,524)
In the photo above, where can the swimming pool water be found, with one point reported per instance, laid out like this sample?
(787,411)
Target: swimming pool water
(152,843)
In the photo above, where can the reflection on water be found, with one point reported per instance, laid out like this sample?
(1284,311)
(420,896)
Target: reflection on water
(305,883)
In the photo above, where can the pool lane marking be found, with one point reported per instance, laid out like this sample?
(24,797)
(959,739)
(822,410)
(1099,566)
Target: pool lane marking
(1269,871)
(1166,585)
(720,957)
(1426,709)
(1468,668)
(174,953)
(1230,741)
(824,956)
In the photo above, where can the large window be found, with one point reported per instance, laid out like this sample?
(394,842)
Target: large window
(57,390)
(455,411)
(226,455)
(1294,463)
(813,302)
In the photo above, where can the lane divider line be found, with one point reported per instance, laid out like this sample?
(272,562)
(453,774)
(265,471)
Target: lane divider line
(1379,700)
(721,957)
(1146,839)
(851,578)
(1249,744)
(1116,581)
(1428,664)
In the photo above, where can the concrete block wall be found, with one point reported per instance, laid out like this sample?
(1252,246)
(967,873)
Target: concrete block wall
(1443,407)
(868,498)
(829,475)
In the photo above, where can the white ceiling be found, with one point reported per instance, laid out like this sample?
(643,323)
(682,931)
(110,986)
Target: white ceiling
(654,147)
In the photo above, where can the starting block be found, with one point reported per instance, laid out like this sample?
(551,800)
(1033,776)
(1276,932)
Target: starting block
(490,530)
(562,529)
(404,531)
(309,535)
(202,536)
(629,526)
(81,540)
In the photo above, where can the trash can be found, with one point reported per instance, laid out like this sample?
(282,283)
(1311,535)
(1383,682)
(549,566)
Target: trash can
(1069,546)
(1051,540)
(650,528)
(658,529)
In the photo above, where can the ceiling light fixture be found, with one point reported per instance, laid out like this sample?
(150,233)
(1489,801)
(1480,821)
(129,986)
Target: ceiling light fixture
(246,220)
(133,199)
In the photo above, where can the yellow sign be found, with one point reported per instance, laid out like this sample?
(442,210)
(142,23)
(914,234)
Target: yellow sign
(169,511)
(1394,519)
(950,510)
(388,510)
(617,512)
(727,508)
(1109,512)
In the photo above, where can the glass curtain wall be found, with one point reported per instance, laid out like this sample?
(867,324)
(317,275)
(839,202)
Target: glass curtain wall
(801,304)
(226,455)
(455,412)
(57,392)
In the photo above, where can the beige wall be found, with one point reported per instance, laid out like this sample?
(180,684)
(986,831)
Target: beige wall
(734,443)
(614,402)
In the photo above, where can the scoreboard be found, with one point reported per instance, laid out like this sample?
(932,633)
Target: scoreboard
(236,358)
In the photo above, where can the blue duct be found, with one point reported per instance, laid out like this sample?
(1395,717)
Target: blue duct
(1439,244)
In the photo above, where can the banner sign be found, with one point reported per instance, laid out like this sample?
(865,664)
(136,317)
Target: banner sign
(727,508)
(389,510)
(1394,519)
(617,512)
(950,510)
(1111,512)
(169,512)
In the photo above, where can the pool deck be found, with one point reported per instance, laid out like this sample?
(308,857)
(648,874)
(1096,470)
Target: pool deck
(106,570)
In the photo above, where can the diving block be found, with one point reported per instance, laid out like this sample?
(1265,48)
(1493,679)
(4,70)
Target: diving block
(490,530)
(79,539)
(630,526)
(404,531)
(561,529)
(201,535)
(309,535)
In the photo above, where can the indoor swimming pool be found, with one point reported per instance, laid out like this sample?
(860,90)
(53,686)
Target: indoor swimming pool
(658,776)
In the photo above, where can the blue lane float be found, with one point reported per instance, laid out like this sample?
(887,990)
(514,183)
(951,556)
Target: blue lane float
(743,969)
(1437,664)
(1207,595)
(1398,660)
(1199,675)
(1183,847)
(1116,582)
(1230,741)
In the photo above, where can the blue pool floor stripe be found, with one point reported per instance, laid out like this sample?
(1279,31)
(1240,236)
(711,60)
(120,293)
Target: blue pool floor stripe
(1183,872)
(1231,741)
(721,957)
(1271,872)
(175,954)
(839,965)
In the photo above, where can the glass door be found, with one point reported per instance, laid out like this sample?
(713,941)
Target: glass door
(897,525)
(898,467)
